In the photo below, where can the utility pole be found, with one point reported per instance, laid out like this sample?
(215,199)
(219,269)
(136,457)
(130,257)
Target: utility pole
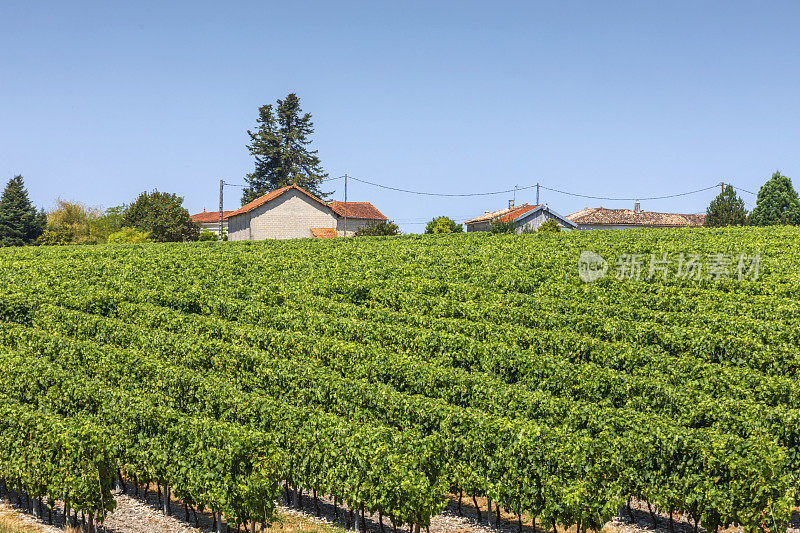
(345,205)
(722,187)
(537,194)
(221,185)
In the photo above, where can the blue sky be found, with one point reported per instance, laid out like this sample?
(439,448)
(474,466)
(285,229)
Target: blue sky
(102,100)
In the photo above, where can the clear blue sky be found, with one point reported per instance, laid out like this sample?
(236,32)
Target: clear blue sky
(102,100)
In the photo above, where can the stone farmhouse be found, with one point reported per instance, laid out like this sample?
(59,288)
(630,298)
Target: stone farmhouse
(523,216)
(602,218)
(210,220)
(294,213)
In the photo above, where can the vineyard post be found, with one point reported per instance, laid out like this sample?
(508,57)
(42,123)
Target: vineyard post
(489,513)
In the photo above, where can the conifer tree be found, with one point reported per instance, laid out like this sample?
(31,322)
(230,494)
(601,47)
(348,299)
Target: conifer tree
(777,203)
(280,146)
(20,222)
(727,209)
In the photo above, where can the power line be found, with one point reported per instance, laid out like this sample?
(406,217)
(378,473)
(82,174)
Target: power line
(425,193)
(637,198)
(422,193)
(743,190)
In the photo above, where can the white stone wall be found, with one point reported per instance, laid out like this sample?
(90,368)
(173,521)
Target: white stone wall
(478,226)
(353,224)
(289,216)
(239,228)
(213,227)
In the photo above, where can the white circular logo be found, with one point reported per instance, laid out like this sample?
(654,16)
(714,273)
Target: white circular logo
(591,267)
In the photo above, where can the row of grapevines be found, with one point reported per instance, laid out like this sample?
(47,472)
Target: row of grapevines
(680,496)
(62,458)
(346,462)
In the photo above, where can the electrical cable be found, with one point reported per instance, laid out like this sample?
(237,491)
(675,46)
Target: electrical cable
(424,193)
(629,199)
(743,190)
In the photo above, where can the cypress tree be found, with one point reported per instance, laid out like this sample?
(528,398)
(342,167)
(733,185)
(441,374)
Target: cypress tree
(727,209)
(280,146)
(777,203)
(20,222)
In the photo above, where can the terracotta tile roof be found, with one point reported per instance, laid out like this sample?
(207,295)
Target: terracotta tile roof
(601,215)
(210,216)
(357,210)
(323,233)
(261,200)
(505,215)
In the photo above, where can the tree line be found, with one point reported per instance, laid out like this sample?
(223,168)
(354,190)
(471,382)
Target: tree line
(152,217)
(776,204)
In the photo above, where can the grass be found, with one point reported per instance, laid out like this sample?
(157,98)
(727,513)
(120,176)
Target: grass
(289,523)
(10,523)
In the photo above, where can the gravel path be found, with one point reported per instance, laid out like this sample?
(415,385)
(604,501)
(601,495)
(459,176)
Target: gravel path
(135,514)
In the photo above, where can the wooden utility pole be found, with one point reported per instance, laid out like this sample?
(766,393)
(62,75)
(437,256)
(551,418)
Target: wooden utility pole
(221,185)
(537,194)
(722,187)
(345,205)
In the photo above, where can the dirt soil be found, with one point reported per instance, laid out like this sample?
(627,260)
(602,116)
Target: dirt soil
(135,514)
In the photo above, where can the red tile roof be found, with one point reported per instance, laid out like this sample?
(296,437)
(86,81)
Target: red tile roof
(602,216)
(363,210)
(357,210)
(505,215)
(323,233)
(210,216)
(261,200)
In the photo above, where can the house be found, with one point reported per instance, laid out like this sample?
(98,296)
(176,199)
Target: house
(602,218)
(210,220)
(523,216)
(294,213)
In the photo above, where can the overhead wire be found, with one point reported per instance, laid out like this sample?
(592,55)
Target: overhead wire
(515,189)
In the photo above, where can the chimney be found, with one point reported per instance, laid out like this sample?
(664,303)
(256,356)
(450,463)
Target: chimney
(511,204)
(637,208)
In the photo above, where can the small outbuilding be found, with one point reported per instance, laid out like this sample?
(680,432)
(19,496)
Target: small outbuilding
(524,217)
(210,220)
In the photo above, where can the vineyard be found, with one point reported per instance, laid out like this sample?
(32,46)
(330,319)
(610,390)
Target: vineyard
(387,374)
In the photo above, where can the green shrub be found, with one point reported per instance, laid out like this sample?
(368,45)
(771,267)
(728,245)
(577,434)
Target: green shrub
(382,228)
(57,236)
(443,225)
(498,227)
(550,225)
(128,236)
(206,235)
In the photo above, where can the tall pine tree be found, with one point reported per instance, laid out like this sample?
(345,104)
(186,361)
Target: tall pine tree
(20,222)
(280,146)
(727,209)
